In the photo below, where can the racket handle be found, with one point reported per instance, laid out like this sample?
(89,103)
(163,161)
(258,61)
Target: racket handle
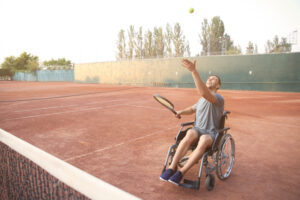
(175,113)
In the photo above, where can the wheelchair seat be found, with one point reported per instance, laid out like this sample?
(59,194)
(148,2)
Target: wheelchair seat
(220,132)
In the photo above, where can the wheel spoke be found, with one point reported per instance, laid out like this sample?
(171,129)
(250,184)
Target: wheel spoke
(225,159)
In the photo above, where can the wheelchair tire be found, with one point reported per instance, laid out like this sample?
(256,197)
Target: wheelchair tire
(225,157)
(210,182)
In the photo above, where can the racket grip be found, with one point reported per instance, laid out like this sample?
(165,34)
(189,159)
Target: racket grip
(175,113)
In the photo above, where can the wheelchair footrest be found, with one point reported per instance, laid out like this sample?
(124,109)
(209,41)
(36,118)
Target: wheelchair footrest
(195,185)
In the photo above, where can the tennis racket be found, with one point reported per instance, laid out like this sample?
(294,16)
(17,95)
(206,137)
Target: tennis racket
(166,103)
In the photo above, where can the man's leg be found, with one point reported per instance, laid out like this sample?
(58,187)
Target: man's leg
(184,145)
(204,142)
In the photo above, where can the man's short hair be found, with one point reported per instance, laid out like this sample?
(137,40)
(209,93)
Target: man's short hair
(218,78)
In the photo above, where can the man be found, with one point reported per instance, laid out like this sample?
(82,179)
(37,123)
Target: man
(209,110)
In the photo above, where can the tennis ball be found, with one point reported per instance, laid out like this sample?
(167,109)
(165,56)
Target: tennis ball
(191,10)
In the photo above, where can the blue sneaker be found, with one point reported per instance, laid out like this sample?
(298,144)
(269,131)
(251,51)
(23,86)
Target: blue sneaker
(166,175)
(176,178)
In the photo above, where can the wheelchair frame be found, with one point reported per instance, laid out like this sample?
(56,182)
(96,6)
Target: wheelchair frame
(216,151)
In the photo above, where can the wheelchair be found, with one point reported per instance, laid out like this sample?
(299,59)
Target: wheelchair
(221,152)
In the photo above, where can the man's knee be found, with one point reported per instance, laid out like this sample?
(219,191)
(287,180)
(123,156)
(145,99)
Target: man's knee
(191,136)
(205,141)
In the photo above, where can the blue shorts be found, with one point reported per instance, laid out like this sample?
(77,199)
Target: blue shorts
(203,132)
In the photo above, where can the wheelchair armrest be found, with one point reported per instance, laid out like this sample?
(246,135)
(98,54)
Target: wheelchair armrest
(223,129)
(187,123)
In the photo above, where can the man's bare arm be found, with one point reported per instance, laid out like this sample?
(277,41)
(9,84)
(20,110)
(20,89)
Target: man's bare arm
(201,87)
(188,111)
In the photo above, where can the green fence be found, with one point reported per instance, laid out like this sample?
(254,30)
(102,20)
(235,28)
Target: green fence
(45,75)
(267,72)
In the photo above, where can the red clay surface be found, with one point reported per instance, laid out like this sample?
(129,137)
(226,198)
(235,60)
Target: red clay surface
(121,135)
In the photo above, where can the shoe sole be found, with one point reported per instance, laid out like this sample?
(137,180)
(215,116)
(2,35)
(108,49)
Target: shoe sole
(174,183)
(163,179)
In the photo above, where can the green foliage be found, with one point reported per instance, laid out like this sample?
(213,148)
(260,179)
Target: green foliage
(6,73)
(27,62)
(168,40)
(214,40)
(131,36)
(250,48)
(121,45)
(278,47)
(159,42)
(148,45)
(178,41)
(9,64)
(60,63)
(234,50)
(138,44)
(156,44)
(24,63)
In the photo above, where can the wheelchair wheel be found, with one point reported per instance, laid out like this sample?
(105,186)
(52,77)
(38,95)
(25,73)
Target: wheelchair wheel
(210,182)
(225,157)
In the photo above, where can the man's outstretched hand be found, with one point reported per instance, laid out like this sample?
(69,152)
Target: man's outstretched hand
(189,65)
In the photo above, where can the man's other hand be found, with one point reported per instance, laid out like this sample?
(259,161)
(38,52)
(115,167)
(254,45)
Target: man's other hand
(189,65)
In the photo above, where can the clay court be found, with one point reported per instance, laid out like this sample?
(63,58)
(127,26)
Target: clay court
(121,135)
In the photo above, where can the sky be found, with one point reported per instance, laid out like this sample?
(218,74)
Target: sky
(86,31)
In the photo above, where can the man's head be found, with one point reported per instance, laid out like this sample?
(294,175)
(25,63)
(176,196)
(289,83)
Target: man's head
(213,82)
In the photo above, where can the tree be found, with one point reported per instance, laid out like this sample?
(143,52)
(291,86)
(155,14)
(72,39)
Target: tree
(213,38)
(8,66)
(178,41)
(149,45)
(131,36)
(187,49)
(234,50)
(121,45)
(250,48)
(60,63)
(153,44)
(285,46)
(24,63)
(204,38)
(138,43)
(27,62)
(159,42)
(168,41)
(216,35)
(277,47)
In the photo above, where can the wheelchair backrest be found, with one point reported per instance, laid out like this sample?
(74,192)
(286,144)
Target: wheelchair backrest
(223,118)
(221,133)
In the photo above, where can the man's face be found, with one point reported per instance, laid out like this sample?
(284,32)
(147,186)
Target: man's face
(213,82)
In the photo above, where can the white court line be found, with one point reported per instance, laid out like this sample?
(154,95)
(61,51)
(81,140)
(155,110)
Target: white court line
(72,111)
(46,108)
(72,105)
(58,113)
(119,144)
(144,107)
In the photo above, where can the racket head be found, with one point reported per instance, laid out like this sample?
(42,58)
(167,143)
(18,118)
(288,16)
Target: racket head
(165,102)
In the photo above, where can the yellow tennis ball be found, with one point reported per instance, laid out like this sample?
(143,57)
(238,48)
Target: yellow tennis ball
(191,10)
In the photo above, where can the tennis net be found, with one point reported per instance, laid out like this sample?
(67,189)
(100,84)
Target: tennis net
(27,172)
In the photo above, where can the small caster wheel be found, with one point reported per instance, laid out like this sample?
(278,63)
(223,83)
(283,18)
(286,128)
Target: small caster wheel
(210,182)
